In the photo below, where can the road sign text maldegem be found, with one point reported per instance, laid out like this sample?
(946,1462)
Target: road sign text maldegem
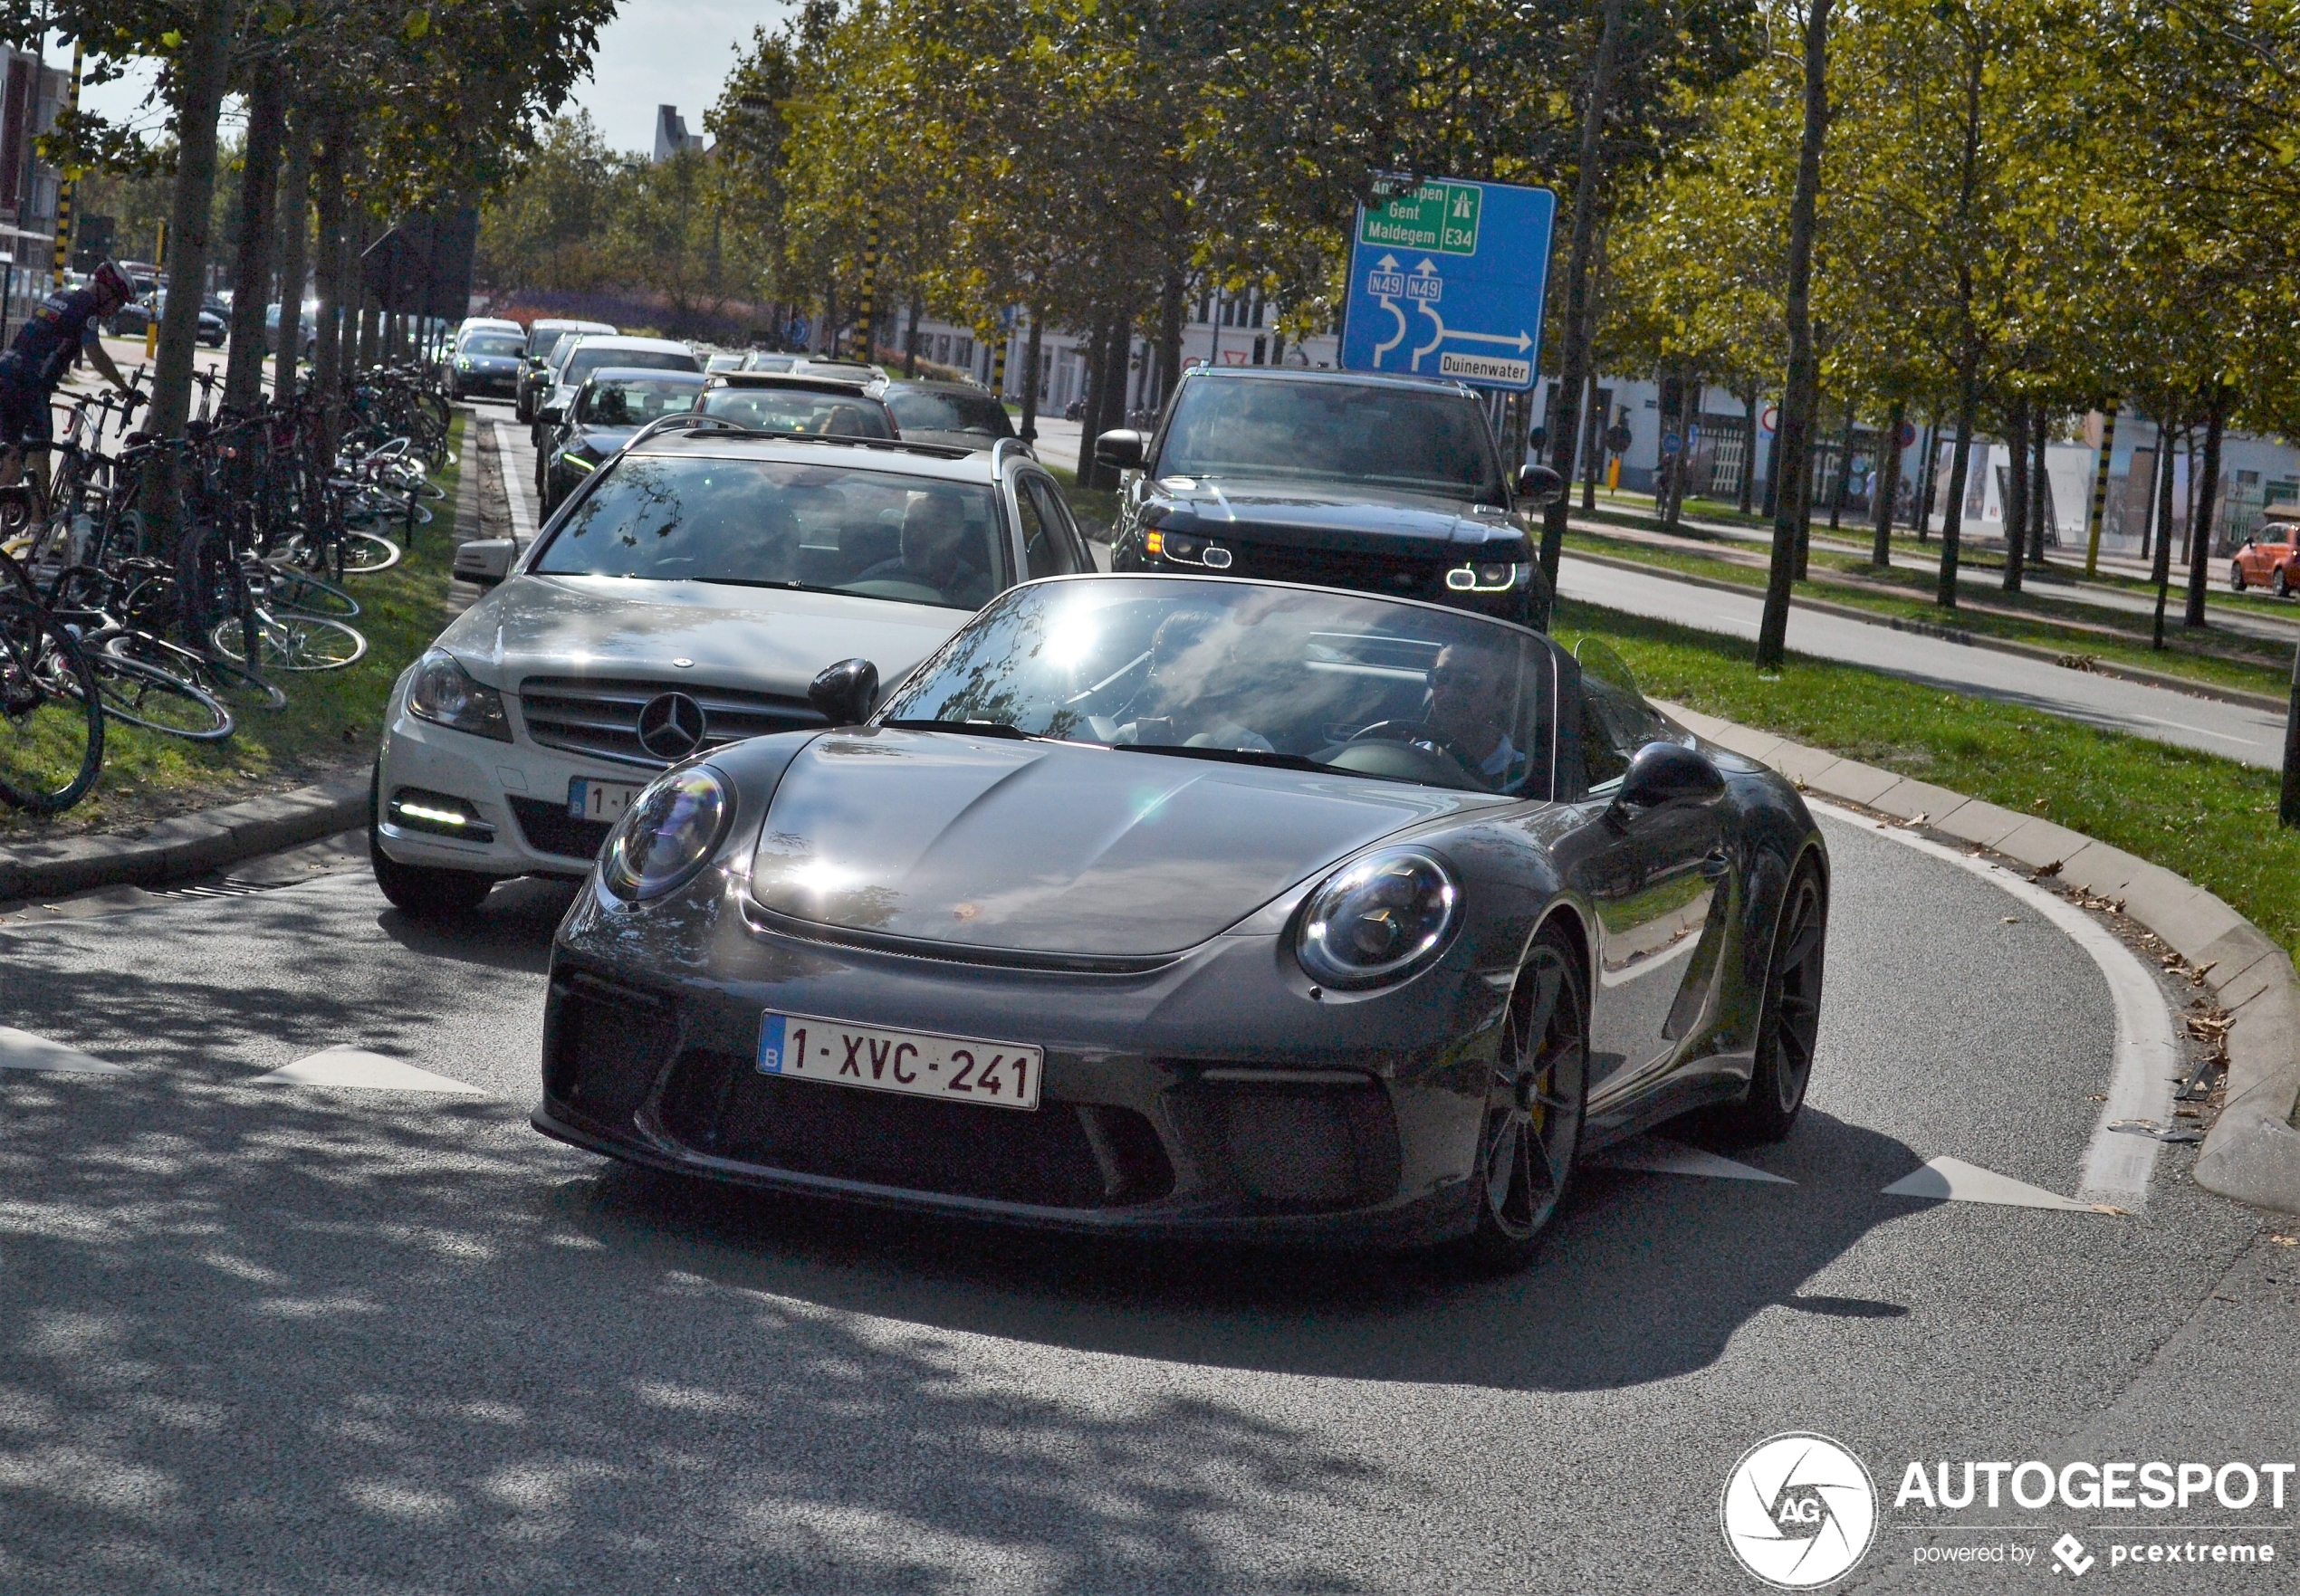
(1440,216)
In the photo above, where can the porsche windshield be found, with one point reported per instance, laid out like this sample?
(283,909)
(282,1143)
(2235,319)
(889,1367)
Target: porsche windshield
(772,523)
(1429,440)
(1262,675)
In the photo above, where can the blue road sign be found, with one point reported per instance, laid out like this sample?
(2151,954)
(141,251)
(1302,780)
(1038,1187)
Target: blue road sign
(1447,279)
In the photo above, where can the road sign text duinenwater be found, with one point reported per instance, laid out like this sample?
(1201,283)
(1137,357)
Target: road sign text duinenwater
(1446,280)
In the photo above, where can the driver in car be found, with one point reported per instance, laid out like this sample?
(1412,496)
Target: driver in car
(934,549)
(1466,693)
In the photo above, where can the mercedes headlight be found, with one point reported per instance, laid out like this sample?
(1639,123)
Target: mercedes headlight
(443,693)
(666,834)
(1378,918)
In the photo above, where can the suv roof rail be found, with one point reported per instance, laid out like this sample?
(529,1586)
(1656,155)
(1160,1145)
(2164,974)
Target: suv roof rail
(686,420)
(999,449)
(680,420)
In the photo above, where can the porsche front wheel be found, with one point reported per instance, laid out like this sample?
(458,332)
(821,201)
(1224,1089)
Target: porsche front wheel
(1534,1114)
(1789,1023)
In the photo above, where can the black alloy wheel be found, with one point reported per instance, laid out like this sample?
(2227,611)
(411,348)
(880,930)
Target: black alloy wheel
(1534,1117)
(2236,579)
(2279,584)
(1788,1022)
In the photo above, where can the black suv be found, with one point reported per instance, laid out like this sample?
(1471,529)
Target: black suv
(1390,486)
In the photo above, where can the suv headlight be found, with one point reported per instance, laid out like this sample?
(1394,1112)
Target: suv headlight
(665,835)
(1486,577)
(1378,918)
(443,693)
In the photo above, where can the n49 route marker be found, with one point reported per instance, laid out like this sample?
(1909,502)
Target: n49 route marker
(1447,280)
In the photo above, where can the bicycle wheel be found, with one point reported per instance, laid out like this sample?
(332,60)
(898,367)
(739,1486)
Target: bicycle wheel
(291,641)
(362,554)
(236,684)
(285,587)
(158,700)
(51,720)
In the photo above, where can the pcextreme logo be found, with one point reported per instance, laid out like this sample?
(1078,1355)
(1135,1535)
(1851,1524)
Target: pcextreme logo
(1799,1510)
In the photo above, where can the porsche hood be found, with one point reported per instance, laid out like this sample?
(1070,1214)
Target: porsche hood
(1054,849)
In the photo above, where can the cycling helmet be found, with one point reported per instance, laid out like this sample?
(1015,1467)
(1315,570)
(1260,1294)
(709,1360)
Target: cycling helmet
(113,282)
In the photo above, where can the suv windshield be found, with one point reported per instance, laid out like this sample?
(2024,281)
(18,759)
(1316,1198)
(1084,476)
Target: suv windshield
(846,415)
(490,344)
(926,410)
(1222,670)
(1420,441)
(589,358)
(773,523)
(633,401)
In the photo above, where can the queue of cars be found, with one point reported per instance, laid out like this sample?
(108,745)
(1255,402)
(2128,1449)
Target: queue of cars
(1286,882)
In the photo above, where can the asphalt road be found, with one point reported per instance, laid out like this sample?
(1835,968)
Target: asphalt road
(261,1337)
(2236,732)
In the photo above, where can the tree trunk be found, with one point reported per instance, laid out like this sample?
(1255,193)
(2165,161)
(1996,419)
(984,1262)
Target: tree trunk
(1749,456)
(253,256)
(1952,514)
(2208,493)
(1844,494)
(203,74)
(1171,307)
(2040,488)
(295,235)
(1925,477)
(1592,427)
(2161,572)
(1573,373)
(1114,392)
(1098,374)
(1773,466)
(327,353)
(1029,430)
(910,338)
(2016,495)
(1797,401)
(1888,494)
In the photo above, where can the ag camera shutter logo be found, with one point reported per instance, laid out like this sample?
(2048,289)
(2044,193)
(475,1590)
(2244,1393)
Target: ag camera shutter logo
(1799,1511)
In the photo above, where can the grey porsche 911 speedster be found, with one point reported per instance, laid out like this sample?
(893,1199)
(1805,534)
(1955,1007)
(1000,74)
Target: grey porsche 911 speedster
(1191,906)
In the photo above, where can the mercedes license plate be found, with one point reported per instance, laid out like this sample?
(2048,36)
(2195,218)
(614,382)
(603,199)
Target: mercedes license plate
(918,1064)
(598,800)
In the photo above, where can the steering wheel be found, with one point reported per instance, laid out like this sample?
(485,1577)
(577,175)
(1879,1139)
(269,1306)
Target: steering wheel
(1416,731)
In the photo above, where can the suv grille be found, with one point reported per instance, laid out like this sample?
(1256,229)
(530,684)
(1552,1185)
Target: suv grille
(601,715)
(1397,576)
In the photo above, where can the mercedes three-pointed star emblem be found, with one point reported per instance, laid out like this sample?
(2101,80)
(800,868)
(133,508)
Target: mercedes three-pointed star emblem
(671,726)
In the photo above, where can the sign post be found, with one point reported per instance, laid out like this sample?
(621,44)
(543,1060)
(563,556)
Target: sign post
(1447,280)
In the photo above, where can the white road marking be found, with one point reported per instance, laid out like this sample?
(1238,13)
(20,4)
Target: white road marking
(1952,1179)
(2116,1168)
(2202,731)
(22,1050)
(362,1070)
(1656,1155)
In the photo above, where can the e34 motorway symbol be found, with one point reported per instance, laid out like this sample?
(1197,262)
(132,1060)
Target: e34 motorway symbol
(1447,280)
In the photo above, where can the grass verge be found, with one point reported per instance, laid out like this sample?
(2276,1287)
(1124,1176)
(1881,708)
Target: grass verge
(2111,636)
(2207,819)
(328,726)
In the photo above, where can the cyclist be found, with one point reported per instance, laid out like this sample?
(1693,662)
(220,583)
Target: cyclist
(64,327)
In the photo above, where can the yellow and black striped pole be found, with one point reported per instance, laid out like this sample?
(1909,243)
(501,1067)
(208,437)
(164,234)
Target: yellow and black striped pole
(63,190)
(2100,493)
(863,312)
(998,337)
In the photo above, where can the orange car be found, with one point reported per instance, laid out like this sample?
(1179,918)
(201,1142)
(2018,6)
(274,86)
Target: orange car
(2276,565)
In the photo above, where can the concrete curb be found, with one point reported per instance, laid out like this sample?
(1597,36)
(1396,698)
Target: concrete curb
(2138,673)
(185,846)
(2252,1152)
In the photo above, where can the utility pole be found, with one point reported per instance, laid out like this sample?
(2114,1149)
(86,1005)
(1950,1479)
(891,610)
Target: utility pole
(65,189)
(863,312)
(2100,492)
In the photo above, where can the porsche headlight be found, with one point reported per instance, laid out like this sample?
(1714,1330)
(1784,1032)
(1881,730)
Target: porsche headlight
(443,693)
(1378,918)
(666,834)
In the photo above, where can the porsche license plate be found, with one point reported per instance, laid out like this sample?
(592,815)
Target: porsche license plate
(918,1064)
(598,800)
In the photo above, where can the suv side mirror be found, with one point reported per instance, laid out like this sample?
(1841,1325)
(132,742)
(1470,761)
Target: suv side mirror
(1120,448)
(1539,485)
(551,413)
(1668,773)
(845,693)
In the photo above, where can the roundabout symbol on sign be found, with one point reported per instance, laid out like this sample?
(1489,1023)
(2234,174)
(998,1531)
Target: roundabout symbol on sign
(1799,1511)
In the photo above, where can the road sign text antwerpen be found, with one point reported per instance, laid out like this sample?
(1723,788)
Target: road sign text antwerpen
(1447,279)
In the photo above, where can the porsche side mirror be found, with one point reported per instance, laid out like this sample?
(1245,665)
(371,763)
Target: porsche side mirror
(1539,485)
(1667,773)
(845,693)
(1120,448)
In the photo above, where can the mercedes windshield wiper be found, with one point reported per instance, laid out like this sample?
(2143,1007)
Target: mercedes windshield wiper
(973,728)
(1235,756)
(762,582)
